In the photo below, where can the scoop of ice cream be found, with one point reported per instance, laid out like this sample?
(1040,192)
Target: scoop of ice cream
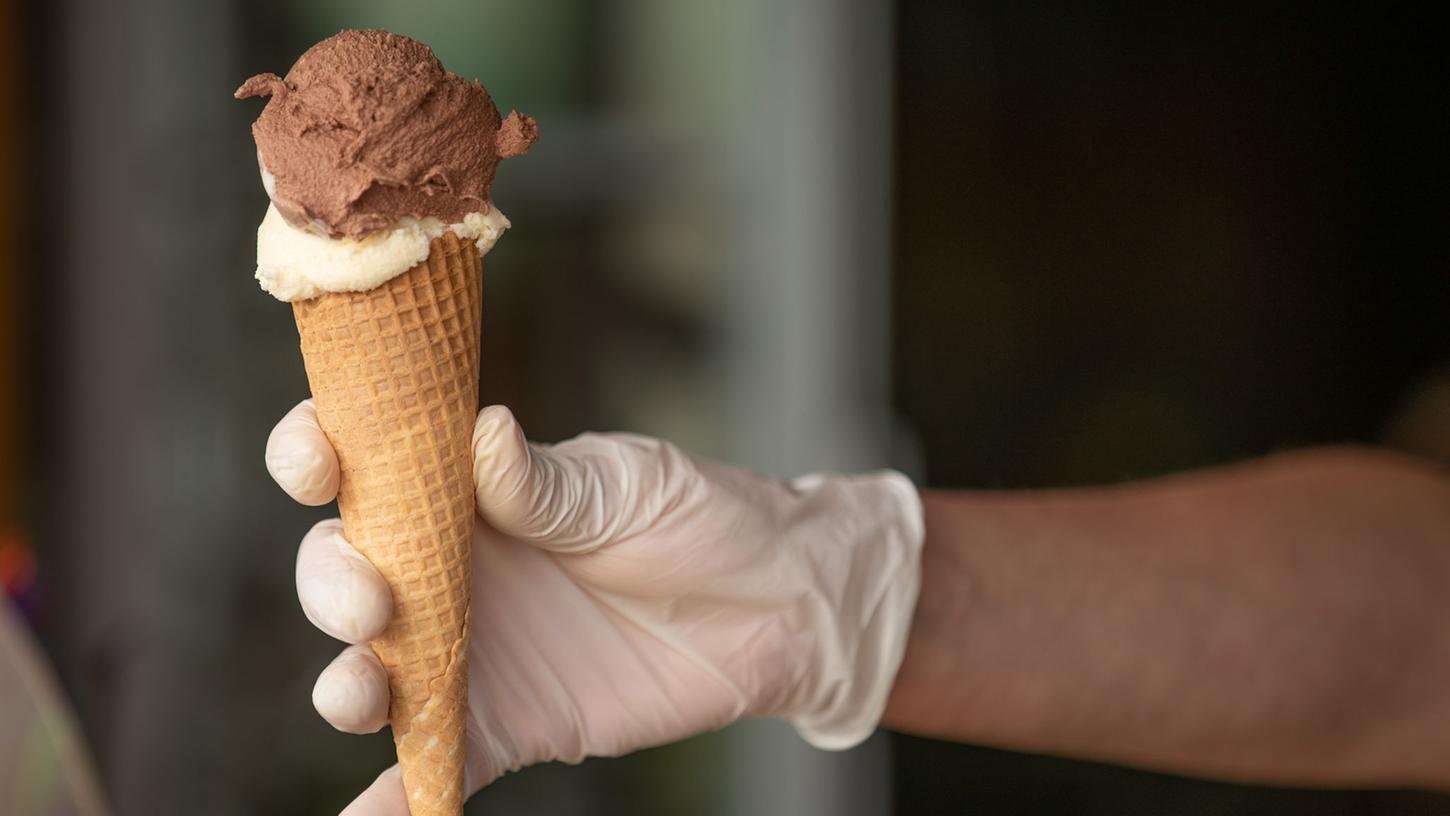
(368,128)
(294,264)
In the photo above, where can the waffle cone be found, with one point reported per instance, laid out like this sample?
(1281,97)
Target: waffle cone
(394,372)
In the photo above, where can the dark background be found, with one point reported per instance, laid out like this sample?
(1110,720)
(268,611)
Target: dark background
(1135,238)
(1126,239)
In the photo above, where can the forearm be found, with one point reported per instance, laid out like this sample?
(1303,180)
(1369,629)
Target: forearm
(1284,620)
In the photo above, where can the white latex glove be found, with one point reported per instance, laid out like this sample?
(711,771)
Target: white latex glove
(627,595)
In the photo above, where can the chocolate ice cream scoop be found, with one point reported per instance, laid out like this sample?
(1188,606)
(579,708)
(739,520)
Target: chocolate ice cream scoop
(368,127)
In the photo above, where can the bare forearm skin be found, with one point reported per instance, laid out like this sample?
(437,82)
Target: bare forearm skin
(1286,620)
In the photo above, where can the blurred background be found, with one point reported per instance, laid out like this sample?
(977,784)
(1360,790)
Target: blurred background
(1010,244)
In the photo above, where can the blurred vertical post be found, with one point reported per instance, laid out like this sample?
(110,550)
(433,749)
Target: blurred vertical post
(146,390)
(44,767)
(10,416)
(776,121)
(808,377)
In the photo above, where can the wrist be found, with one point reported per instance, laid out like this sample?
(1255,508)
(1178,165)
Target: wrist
(914,704)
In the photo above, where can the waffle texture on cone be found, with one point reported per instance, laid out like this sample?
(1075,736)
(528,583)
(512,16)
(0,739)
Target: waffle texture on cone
(394,372)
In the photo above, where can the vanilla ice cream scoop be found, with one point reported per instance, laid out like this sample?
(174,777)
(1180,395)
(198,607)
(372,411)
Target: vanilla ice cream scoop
(299,264)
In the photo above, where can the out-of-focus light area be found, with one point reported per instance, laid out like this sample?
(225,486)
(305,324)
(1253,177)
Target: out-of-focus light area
(996,245)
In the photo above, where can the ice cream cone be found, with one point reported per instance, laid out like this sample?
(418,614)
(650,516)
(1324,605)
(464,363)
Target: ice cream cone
(375,156)
(394,372)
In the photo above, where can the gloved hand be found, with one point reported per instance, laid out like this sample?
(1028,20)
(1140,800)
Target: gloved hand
(627,595)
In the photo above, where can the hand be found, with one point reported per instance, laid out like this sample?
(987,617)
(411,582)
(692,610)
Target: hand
(628,595)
